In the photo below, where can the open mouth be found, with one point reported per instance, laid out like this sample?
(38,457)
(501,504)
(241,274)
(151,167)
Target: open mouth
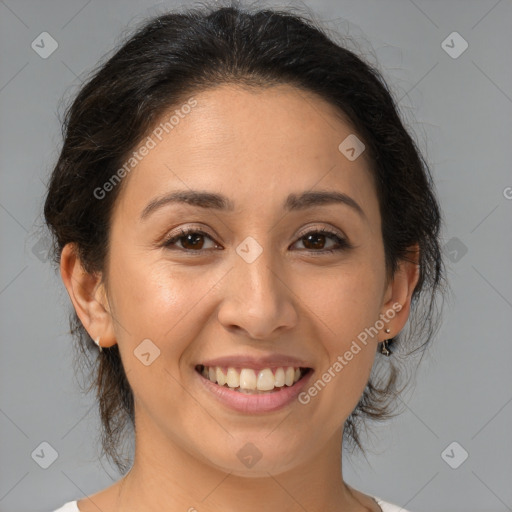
(253,382)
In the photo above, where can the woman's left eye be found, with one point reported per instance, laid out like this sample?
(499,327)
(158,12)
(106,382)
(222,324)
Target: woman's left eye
(317,237)
(192,240)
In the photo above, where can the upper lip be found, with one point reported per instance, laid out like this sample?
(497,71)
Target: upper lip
(266,361)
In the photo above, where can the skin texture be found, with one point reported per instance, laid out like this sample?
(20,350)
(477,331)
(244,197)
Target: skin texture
(256,147)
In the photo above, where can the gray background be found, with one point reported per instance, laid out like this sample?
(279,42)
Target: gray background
(460,111)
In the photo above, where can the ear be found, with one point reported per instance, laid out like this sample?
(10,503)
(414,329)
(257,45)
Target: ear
(398,294)
(88,295)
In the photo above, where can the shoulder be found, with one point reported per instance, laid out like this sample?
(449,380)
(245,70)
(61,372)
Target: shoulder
(70,506)
(388,507)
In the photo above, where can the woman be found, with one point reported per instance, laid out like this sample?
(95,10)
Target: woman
(244,227)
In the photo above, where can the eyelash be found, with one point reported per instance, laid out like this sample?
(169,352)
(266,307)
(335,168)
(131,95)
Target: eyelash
(342,243)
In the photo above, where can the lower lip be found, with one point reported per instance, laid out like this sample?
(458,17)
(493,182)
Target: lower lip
(257,403)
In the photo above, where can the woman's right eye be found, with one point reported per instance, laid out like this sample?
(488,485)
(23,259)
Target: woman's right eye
(190,238)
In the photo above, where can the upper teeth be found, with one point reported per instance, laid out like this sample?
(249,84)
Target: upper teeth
(247,378)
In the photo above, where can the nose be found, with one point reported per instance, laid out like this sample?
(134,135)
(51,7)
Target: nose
(257,299)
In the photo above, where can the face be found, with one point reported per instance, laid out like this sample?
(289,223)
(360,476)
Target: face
(266,277)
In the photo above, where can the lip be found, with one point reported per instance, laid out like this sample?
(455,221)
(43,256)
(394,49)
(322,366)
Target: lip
(254,404)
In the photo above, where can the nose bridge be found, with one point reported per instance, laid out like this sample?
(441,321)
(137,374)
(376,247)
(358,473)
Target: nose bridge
(260,278)
(256,275)
(256,299)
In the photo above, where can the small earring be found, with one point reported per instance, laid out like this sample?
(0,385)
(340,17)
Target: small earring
(384,349)
(387,331)
(97,341)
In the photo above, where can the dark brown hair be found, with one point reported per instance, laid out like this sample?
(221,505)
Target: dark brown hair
(177,54)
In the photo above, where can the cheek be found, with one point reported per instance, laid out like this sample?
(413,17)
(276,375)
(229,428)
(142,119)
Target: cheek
(144,299)
(349,311)
(159,301)
(348,299)
(153,302)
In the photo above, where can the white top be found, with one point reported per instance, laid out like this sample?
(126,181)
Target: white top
(71,506)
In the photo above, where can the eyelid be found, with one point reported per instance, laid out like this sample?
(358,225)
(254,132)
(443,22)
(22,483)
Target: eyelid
(323,229)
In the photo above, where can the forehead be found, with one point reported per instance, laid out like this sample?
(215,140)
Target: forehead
(254,145)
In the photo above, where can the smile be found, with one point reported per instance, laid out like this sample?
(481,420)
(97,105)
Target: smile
(253,391)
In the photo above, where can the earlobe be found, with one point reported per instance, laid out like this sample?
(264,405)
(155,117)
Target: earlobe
(88,296)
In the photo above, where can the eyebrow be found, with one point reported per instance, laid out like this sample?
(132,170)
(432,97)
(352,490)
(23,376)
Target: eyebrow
(210,200)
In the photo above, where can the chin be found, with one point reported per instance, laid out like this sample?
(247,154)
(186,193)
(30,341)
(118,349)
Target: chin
(257,458)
